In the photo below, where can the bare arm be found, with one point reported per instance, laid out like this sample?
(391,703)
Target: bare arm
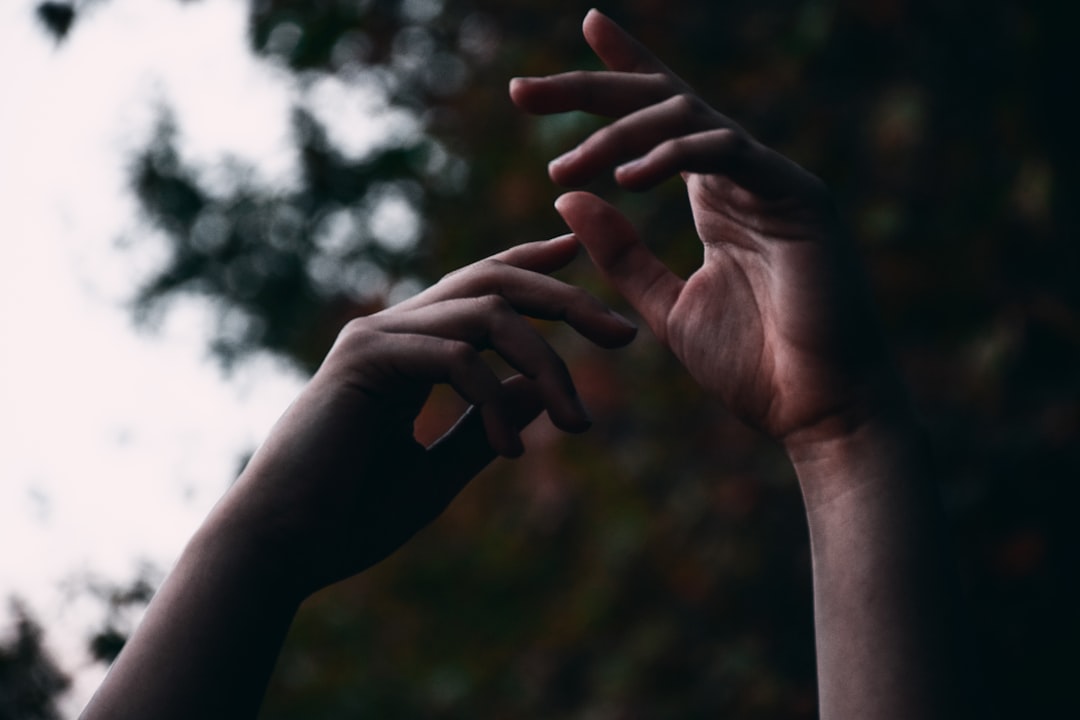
(778,325)
(341,483)
(890,642)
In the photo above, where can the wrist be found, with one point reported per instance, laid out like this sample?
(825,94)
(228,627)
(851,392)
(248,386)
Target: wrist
(878,447)
(229,543)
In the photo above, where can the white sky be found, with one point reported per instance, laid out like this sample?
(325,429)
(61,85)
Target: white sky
(113,445)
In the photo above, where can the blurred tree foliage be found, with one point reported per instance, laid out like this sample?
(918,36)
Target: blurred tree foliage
(658,567)
(30,680)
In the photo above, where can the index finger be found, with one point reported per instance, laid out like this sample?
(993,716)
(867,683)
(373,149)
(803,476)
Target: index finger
(611,94)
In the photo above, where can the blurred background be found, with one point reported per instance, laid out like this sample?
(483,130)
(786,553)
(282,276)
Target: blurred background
(198,194)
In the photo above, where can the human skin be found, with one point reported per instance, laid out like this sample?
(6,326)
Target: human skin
(340,483)
(777,324)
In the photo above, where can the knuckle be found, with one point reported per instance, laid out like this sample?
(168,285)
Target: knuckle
(732,141)
(487,273)
(579,83)
(493,306)
(459,353)
(474,274)
(500,316)
(356,338)
(677,147)
(489,264)
(612,137)
(356,331)
(577,297)
(452,274)
(663,82)
(687,104)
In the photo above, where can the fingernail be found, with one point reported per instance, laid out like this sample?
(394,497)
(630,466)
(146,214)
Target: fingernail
(582,410)
(630,166)
(563,159)
(622,319)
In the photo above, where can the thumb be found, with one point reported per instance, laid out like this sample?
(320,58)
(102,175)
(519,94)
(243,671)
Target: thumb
(619,50)
(617,251)
(464,450)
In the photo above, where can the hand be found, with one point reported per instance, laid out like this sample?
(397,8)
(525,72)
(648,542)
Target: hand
(341,482)
(776,321)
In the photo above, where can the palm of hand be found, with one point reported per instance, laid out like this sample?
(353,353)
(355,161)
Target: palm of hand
(768,322)
(776,321)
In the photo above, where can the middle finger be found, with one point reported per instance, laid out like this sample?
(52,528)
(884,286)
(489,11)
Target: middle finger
(633,136)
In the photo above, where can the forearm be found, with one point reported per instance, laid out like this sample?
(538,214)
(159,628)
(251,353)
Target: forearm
(890,642)
(210,638)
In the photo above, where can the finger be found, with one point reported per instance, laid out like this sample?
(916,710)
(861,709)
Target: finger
(544,256)
(465,450)
(633,136)
(490,322)
(611,94)
(622,258)
(531,294)
(427,359)
(618,49)
(723,151)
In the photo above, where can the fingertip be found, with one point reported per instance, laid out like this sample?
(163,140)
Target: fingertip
(523,400)
(517,87)
(568,243)
(561,170)
(553,169)
(628,169)
(616,47)
(561,251)
(581,207)
(634,175)
(502,431)
(629,336)
(592,17)
(615,337)
(585,421)
(576,421)
(625,329)
(572,199)
(560,203)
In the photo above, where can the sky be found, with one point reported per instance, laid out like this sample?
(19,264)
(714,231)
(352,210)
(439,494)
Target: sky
(115,441)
